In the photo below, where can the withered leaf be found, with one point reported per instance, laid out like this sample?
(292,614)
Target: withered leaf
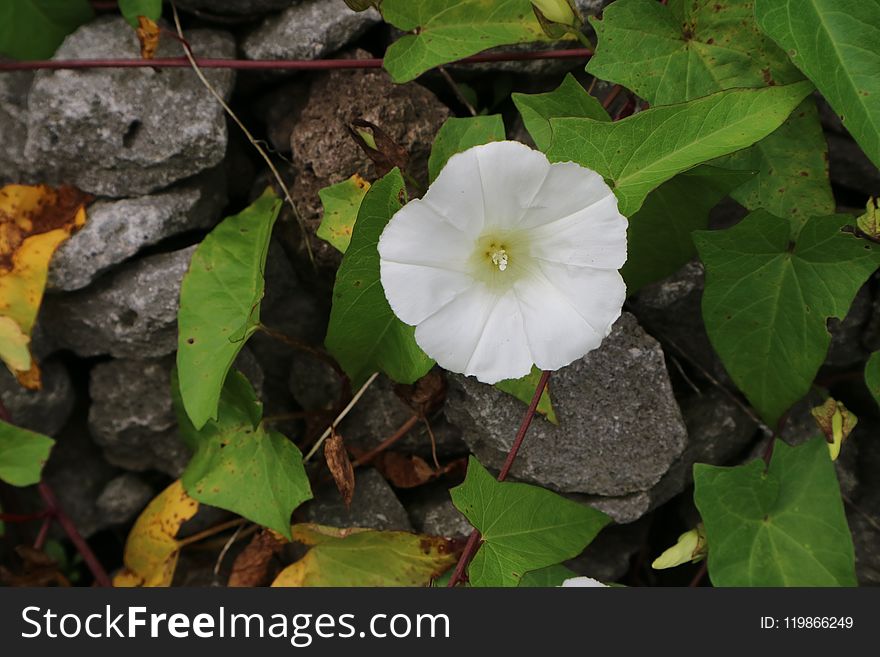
(379,146)
(252,567)
(340,466)
(426,395)
(148,35)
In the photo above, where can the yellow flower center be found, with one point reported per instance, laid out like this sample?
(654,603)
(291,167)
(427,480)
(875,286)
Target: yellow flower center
(499,259)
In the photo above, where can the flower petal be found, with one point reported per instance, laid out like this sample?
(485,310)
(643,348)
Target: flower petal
(569,188)
(592,237)
(511,174)
(479,334)
(417,235)
(568,311)
(457,193)
(415,292)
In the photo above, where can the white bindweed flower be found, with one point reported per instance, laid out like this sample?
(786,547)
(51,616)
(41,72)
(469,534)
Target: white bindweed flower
(507,261)
(583,581)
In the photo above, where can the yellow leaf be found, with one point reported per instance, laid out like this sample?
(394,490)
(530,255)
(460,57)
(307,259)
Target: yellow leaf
(366,557)
(34,221)
(14,346)
(148,35)
(152,548)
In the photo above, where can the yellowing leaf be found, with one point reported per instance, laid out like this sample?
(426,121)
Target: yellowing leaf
(341,202)
(152,548)
(34,221)
(14,346)
(365,557)
(148,35)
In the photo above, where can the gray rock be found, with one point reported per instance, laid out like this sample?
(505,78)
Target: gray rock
(308,30)
(132,417)
(374,505)
(130,313)
(132,414)
(124,132)
(14,88)
(323,151)
(123,498)
(434,513)
(619,430)
(45,411)
(117,230)
(846,347)
(235,7)
(608,557)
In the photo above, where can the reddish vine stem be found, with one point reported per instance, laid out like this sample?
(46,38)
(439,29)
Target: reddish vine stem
(23,517)
(388,442)
(470,548)
(275,64)
(100,575)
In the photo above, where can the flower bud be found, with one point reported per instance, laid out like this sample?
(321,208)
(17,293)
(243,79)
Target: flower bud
(362,5)
(836,423)
(691,547)
(557,17)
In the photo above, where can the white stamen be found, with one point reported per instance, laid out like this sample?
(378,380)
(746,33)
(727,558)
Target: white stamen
(499,259)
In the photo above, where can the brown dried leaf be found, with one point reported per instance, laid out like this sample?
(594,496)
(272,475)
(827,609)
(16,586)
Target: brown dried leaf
(340,466)
(426,395)
(37,569)
(252,567)
(148,35)
(379,146)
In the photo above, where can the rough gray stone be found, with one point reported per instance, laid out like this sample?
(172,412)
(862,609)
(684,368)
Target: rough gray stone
(117,230)
(670,311)
(132,415)
(619,430)
(434,513)
(846,347)
(130,313)
(44,411)
(608,557)
(123,498)
(323,151)
(235,7)
(308,30)
(14,88)
(124,132)
(374,505)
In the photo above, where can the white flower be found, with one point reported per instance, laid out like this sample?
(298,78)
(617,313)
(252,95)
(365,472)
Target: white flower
(507,261)
(582,581)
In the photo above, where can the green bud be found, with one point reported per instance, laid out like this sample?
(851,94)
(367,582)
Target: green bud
(561,12)
(836,422)
(691,547)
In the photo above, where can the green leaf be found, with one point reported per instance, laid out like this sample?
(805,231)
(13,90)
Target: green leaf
(524,389)
(449,30)
(341,204)
(457,135)
(23,454)
(365,557)
(836,43)
(569,99)
(238,464)
(220,303)
(659,240)
(792,168)
(872,375)
(645,150)
(33,29)
(770,288)
(783,526)
(131,9)
(685,50)
(364,335)
(548,577)
(688,50)
(523,527)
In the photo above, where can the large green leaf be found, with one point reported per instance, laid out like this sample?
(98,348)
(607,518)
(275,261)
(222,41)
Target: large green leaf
(364,335)
(686,50)
(689,49)
(779,526)
(362,557)
(523,527)
(836,43)
(659,239)
(341,203)
(131,9)
(872,375)
(457,135)
(448,30)
(569,99)
(220,303)
(238,464)
(550,576)
(23,454)
(33,29)
(645,150)
(770,288)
